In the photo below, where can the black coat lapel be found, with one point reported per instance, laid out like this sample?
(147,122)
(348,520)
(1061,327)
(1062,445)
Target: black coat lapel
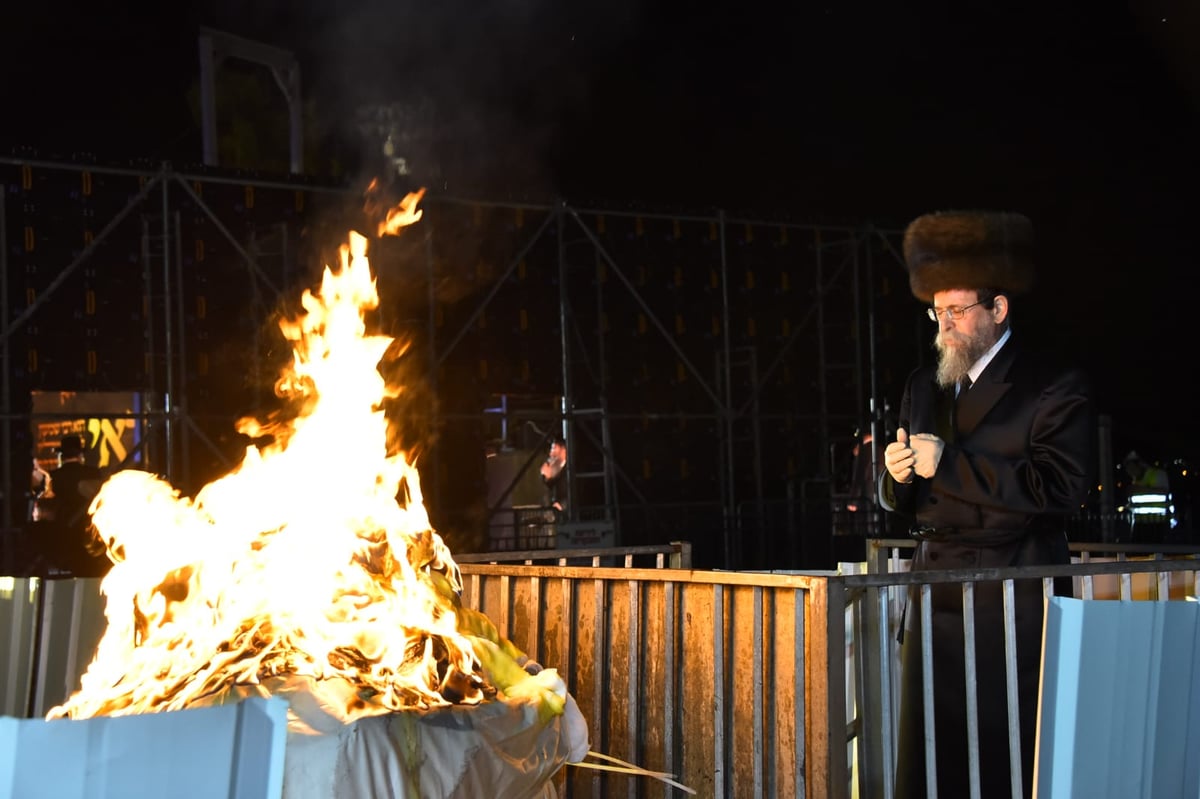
(987,391)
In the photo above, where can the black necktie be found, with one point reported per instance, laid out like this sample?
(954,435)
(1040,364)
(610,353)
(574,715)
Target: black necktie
(963,388)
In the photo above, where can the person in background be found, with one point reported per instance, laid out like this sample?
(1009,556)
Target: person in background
(554,473)
(68,542)
(994,448)
(1149,502)
(1145,475)
(39,487)
(862,513)
(862,479)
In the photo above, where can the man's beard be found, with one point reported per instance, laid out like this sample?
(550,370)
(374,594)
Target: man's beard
(955,359)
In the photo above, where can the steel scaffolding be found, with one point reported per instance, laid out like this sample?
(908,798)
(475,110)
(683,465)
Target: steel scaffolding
(709,372)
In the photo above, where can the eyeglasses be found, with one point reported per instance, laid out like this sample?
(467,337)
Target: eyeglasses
(953,312)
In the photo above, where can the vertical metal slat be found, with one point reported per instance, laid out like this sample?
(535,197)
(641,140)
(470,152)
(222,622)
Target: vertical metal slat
(719,690)
(1010,678)
(972,698)
(669,678)
(757,713)
(927,691)
(633,641)
(800,600)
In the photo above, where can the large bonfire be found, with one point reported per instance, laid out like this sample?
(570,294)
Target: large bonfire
(311,567)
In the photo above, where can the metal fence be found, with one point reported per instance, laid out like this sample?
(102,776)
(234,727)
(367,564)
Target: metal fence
(753,684)
(741,684)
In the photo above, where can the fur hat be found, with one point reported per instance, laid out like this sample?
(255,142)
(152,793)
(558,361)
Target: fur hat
(71,446)
(969,250)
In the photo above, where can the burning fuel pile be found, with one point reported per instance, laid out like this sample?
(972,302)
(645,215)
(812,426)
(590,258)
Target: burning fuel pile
(311,568)
(311,572)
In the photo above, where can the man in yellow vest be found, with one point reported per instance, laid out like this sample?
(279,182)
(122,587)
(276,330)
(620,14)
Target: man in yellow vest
(1150,507)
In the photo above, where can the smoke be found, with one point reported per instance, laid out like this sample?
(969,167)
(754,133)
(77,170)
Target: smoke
(472,95)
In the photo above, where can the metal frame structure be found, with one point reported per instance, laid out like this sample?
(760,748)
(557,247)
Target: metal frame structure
(832,345)
(216,46)
(157,200)
(852,270)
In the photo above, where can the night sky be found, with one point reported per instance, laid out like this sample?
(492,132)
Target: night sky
(839,112)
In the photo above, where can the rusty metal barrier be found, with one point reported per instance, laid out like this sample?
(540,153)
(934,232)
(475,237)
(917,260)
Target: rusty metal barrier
(732,681)
(675,555)
(750,684)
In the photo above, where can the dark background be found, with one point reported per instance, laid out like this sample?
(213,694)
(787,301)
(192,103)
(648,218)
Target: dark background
(1082,116)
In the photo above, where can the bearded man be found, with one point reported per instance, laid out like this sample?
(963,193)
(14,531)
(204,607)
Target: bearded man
(994,448)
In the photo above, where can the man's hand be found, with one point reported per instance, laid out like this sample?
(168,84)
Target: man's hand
(899,458)
(928,451)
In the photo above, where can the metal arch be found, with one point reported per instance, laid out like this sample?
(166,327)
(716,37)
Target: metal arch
(214,47)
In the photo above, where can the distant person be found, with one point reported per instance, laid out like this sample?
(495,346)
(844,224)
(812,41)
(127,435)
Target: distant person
(994,449)
(68,541)
(1145,475)
(862,476)
(1150,502)
(861,502)
(39,487)
(554,474)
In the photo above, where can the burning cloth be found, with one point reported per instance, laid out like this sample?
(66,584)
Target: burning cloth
(311,571)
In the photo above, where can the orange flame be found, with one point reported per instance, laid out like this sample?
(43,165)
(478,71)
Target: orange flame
(313,559)
(405,213)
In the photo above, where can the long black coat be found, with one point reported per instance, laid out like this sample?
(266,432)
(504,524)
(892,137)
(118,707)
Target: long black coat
(1019,456)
